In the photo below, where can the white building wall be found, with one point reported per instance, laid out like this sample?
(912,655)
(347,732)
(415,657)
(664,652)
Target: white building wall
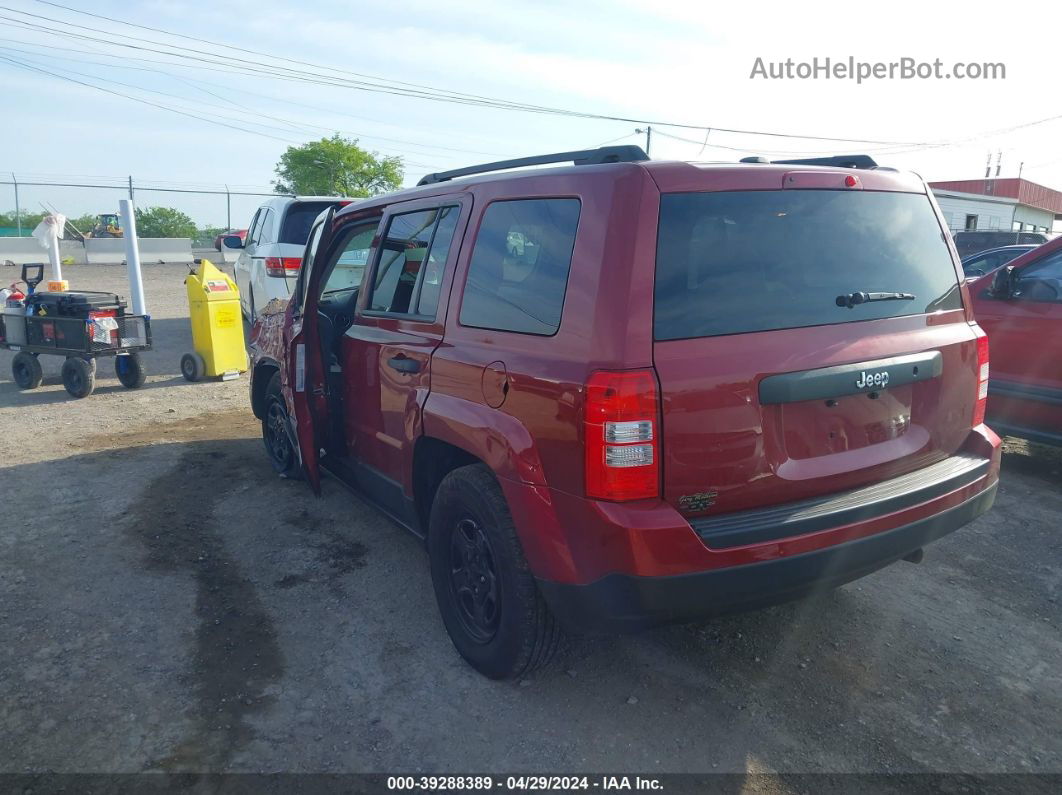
(991,213)
(1041,219)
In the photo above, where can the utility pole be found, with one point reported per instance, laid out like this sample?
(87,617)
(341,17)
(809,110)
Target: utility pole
(130,187)
(18,212)
(648,137)
(988,166)
(999,161)
(228,209)
(1021,167)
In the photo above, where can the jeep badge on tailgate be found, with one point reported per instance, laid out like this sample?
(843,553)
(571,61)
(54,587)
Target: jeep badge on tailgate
(871,380)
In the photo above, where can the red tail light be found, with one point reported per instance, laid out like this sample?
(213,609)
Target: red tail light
(282,266)
(982,380)
(621,434)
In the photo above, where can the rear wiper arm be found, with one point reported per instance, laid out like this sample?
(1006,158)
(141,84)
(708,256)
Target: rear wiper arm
(852,299)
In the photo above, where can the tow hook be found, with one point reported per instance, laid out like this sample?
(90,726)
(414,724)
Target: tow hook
(916,556)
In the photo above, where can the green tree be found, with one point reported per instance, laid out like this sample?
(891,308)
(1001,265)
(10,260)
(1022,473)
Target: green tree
(336,166)
(163,222)
(29,220)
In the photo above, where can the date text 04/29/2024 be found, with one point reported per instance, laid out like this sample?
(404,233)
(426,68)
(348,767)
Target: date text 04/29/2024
(526,783)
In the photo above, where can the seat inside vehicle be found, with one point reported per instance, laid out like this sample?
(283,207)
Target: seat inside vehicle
(335,314)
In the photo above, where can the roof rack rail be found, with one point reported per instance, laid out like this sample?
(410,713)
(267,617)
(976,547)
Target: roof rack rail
(838,161)
(582,157)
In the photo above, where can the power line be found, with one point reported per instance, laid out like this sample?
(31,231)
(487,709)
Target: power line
(198,85)
(420,91)
(387,86)
(138,186)
(177,110)
(145,101)
(703,144)
(272,56)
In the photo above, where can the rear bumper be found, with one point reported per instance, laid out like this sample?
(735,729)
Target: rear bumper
(626,603)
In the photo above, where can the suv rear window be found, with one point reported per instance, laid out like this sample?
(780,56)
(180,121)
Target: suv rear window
(519,269)
(298,220)
(740,261)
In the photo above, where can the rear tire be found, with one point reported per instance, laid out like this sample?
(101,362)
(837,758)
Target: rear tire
(79,376)
(130,370)
(492,609)
(26,370)
(282,455)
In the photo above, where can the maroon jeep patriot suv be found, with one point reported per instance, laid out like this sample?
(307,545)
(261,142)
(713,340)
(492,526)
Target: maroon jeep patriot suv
(622,392)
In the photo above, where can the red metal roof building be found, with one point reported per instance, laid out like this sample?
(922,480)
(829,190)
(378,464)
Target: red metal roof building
(1001,203)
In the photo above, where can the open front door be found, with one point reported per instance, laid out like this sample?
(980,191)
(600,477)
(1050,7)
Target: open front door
(307,376)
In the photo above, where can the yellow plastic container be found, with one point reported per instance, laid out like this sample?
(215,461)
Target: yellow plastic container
(217,325)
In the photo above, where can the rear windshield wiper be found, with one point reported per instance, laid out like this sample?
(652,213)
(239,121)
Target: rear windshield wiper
(852,299)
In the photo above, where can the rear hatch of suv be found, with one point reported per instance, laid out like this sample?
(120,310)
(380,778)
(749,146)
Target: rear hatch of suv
(284,258)
(810,339)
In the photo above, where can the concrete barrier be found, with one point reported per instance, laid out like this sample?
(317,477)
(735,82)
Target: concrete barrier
(103,250)
(72,250)
(165,249)
(152,250)
(22,250)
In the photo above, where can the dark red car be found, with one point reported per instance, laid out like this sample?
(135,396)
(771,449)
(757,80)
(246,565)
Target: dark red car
(240,233)
(1020,307)
(621,392)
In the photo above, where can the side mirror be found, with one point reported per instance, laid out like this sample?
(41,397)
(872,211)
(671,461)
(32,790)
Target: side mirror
(1003,282)
(232,241)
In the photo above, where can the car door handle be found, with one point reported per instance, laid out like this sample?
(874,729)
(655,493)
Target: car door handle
(404,364)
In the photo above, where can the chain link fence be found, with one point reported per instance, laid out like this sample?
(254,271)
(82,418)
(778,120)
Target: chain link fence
(212,208)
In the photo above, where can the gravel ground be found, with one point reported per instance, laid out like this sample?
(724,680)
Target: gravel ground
(167,604)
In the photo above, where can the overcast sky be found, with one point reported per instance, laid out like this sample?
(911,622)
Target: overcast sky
(687,63)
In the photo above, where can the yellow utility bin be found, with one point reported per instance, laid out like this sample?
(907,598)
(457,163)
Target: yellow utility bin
(217,325)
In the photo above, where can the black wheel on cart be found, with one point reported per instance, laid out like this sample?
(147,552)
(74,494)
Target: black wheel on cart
(130,370)
(79,376)
(27,370)
(275,426)
(192,366)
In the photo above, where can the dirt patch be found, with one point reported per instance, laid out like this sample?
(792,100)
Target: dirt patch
(230,424)
(337,554)
(236,654)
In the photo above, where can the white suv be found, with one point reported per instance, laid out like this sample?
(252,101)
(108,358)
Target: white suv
(271,256)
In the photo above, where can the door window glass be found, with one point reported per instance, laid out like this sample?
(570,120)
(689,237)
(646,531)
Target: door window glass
(435,265)
(350,259)
(412,259)
(265,229)
(252,231)
(1041,281)
(307,264)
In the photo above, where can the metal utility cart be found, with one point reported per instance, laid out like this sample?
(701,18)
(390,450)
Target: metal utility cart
(78,325)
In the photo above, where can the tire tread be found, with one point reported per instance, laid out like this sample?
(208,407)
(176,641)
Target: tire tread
(542,636)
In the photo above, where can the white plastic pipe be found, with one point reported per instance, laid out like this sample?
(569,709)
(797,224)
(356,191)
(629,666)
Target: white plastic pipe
(132,256)
(53,249)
